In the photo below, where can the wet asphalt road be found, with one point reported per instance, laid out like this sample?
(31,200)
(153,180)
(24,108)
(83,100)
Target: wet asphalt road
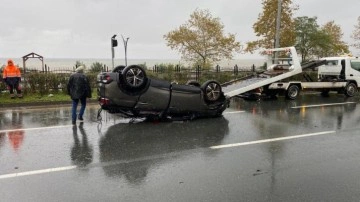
(303,150)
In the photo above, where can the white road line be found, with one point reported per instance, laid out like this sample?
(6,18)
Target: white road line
(50,170)
(41,128)
(234,112)
(36,172)
(322,105)
(270,140)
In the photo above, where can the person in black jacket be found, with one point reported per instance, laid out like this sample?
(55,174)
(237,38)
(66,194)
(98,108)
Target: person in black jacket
(79,89)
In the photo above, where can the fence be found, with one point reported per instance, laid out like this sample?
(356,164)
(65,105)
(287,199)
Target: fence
(55,80)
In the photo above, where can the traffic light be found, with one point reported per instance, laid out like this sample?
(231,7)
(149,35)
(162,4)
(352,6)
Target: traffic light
(114,42)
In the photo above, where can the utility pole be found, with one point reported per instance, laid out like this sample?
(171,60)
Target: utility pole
(277,31)
(125,46)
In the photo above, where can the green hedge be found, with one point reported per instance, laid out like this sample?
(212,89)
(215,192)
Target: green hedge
(45,83)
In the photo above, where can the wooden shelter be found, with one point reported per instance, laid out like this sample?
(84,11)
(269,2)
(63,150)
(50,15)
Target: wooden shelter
(33,55)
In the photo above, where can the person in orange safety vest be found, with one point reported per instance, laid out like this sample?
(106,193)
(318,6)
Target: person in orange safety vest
(12,78)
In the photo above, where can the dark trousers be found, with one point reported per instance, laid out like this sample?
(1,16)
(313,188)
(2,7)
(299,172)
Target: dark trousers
(75,103)
(14,87)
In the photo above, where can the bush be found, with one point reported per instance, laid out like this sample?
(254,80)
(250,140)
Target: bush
(44,83)
(96,67)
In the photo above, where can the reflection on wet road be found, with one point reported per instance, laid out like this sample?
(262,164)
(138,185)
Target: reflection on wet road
(276,150)
(127,142)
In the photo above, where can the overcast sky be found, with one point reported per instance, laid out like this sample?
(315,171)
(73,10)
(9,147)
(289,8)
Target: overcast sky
(83,28)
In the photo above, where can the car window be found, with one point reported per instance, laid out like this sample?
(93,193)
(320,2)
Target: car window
(331,62)
(355,64)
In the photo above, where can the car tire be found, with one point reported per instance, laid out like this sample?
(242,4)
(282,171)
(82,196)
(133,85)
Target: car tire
(350,89)
(292,92)
(193,83)
(119,69)
(212,91)
(134,77)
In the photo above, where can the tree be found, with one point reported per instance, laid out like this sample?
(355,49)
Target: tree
(96,67)
(201,39)
(307,32)
(265,27)
(313,41)
(336,46)
(356,35)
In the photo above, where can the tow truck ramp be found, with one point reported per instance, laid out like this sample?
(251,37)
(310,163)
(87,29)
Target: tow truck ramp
(276,71)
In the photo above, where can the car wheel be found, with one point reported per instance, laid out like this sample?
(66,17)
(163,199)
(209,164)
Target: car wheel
(193,83)
(212,90)
(134,76)
(292,92)
(350,89)
(119,69)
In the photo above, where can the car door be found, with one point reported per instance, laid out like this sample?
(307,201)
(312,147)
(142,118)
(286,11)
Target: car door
(353,72)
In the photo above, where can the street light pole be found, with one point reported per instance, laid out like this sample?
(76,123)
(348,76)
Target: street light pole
(125,46)
(113,44)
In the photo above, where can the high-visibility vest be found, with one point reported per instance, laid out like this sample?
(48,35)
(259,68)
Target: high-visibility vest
(11,71)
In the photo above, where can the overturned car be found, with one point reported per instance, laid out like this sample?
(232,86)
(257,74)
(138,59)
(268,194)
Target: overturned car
(128,91)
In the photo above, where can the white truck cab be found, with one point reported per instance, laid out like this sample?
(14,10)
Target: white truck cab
(333,69)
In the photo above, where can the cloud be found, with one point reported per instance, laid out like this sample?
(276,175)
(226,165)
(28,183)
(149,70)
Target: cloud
(83,28)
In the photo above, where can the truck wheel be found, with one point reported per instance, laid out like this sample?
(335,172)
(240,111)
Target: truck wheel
(350,89)
(292,92)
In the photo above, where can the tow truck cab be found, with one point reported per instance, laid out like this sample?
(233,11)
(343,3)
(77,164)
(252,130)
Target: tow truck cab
(333,69)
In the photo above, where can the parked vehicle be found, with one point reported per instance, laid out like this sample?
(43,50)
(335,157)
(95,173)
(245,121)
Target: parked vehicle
(128,91)
(340,74)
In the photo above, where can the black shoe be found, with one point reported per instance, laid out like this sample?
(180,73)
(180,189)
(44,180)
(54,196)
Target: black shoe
(80,118)
(74,122)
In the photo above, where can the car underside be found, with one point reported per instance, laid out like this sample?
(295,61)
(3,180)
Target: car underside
(127,91)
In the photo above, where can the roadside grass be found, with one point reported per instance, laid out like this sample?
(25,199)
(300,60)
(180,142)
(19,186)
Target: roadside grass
(37,98)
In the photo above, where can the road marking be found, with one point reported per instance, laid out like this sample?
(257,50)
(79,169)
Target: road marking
(322,105)
(233,112)
(36,172)
(51,170)
(270,140)
(41,128)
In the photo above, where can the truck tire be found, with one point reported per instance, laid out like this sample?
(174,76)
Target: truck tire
(350,89)
(292,92)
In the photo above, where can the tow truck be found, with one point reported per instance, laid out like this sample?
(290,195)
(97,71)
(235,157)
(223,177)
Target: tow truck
(341,74)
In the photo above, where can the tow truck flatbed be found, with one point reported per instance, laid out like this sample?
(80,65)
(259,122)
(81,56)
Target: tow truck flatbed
(270,76)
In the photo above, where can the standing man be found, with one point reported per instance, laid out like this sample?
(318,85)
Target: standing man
(12,78)
(79,89)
